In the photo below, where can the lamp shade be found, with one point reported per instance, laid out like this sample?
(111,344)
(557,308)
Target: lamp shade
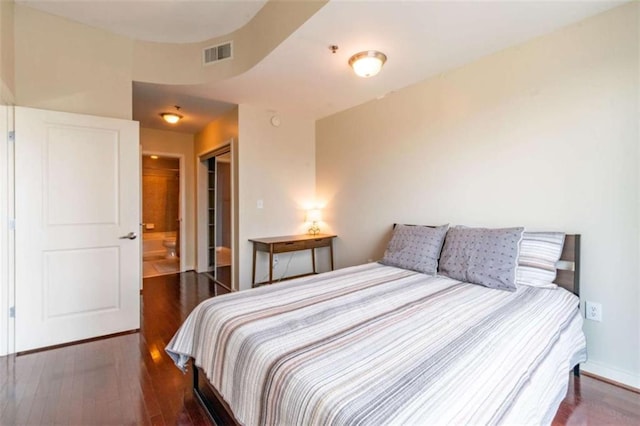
(367,63)
(314,215)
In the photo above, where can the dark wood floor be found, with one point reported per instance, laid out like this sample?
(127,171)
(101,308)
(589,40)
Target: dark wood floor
(593,402)
(125,380)
(129,380)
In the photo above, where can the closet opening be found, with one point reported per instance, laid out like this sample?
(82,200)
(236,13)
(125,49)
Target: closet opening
(215,207)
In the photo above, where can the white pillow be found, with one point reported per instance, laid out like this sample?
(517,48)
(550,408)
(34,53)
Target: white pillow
(539,254)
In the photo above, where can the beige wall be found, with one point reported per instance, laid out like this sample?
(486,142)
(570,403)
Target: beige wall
(276,165)
(216,133)
(7,58)
(544,135)
(167,142)
(64,66)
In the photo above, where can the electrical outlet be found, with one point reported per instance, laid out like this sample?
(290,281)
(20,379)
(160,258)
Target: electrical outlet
(275,261)
(593,311)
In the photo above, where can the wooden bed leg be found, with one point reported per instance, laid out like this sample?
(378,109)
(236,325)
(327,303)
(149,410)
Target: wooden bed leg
(576,370)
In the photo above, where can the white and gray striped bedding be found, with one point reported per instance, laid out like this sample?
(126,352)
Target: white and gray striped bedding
(374,344)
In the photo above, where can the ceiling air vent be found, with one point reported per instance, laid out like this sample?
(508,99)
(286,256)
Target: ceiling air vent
(217,53)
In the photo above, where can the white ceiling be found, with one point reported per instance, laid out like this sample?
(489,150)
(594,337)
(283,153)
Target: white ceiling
(420,38)
(168,21)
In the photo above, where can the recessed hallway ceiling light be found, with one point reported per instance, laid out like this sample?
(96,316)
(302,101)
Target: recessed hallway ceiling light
(367,63)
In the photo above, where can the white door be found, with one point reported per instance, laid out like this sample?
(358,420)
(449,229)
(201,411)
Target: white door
(77,195)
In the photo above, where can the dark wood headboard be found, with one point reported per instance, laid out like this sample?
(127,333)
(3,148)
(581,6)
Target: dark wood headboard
(568,276)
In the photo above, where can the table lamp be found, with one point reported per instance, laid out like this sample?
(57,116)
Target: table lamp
(314,216)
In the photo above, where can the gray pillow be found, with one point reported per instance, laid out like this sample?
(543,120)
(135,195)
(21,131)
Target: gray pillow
(416,248)
(482,256)
(539,253)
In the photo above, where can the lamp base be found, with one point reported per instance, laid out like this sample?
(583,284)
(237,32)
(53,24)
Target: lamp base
(314,229)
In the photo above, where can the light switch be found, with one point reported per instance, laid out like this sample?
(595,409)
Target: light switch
(260,204)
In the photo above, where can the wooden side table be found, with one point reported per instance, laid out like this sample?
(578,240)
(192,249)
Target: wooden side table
(275,245)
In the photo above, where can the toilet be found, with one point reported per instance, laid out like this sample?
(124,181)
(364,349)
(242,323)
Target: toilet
(170,245)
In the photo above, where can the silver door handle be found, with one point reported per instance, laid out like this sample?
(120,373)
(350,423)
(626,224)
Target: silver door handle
(130,236)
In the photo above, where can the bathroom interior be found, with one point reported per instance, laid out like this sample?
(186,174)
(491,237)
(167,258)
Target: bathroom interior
(160,215)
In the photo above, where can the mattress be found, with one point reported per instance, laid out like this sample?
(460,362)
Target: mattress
(375,344)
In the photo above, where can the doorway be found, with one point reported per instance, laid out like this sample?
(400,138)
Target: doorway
(161,215)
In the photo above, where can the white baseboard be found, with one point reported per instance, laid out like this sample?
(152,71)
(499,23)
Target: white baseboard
(620,376)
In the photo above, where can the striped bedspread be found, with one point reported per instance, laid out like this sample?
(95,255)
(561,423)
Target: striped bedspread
(375,345)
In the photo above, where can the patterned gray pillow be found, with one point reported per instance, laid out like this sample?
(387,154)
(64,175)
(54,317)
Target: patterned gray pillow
(482,256)
(416,248)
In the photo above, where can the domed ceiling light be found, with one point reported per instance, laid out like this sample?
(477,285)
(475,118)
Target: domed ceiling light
(171,117)
(367,63)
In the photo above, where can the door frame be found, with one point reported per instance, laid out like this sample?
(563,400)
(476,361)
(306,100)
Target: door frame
(202,207)
(7,245)
(182,203)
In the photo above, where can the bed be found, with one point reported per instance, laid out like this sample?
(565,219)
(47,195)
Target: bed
(379,344)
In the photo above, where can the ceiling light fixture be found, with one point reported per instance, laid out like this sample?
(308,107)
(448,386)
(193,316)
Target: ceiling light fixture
(171,117)
(367,63)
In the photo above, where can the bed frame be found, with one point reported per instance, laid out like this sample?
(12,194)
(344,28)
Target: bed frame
(216,407)
(568,277)
(568,272)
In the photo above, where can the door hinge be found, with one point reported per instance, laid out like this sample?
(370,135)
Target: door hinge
(12,136)
(12,224)
(12,312)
